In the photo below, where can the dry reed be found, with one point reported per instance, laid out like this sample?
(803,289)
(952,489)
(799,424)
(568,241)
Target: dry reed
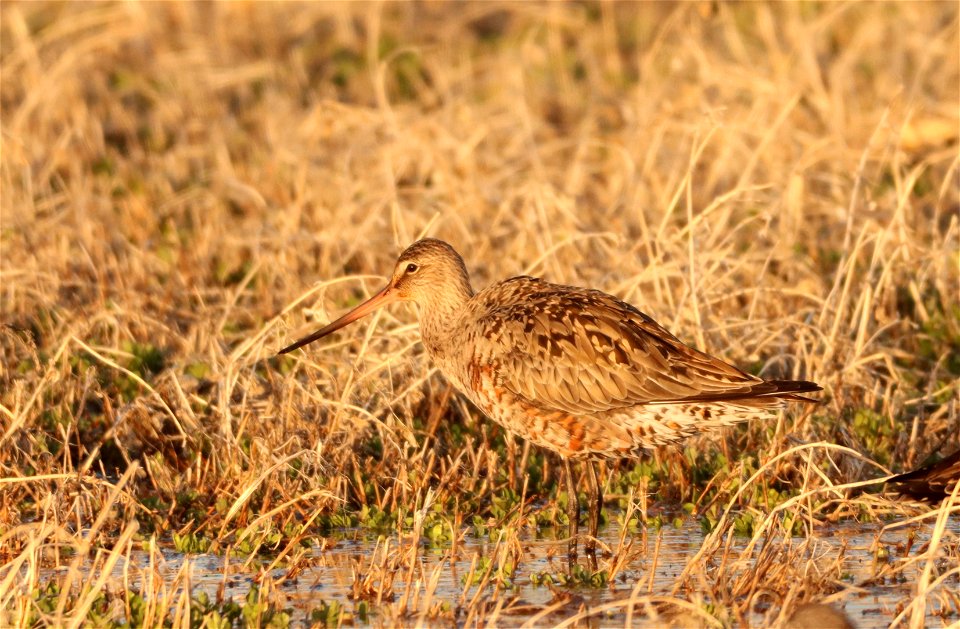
(188,186)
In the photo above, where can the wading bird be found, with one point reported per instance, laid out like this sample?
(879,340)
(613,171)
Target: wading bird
(932,482)
(572,370)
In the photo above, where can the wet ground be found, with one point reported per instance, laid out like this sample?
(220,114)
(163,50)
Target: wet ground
(445,578)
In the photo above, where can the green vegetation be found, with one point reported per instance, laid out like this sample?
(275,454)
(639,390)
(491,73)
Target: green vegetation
(204,612)
(578,577)
(188,187)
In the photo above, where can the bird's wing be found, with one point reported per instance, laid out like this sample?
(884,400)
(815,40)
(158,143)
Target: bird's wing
(583,351)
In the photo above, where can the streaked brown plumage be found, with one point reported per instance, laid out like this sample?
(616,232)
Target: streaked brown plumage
(931,482)
(573,370)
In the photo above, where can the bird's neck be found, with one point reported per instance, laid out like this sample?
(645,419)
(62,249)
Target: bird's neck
(440,314)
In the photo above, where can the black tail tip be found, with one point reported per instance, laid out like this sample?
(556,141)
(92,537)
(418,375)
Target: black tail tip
(792,390)
(795,386)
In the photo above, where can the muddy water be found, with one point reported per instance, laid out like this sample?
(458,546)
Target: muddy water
(328,575)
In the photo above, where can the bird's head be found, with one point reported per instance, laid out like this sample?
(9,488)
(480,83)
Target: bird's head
(429,273)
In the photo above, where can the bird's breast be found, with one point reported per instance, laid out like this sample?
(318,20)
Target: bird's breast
(434,348)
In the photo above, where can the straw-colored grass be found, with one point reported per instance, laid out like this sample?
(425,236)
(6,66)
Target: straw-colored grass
(188,187)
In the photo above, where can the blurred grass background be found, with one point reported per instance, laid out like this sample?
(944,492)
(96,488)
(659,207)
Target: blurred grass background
(187,187)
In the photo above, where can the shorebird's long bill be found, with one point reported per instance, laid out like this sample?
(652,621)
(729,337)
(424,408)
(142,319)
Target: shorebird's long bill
(384,297)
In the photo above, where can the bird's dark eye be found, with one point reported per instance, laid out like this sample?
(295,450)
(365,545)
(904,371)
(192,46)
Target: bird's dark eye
(412,268)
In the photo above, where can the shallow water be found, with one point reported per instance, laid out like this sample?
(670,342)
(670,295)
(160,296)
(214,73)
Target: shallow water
(328,575)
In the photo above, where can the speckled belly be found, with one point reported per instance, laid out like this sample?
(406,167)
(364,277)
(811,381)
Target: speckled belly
(612,434)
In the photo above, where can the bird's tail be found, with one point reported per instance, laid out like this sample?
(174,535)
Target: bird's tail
(761,394)
(930,482)
(791,389)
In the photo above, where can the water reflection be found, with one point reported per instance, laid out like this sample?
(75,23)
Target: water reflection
(376,569)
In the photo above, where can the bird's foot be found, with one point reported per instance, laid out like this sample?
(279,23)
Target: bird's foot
(572,551)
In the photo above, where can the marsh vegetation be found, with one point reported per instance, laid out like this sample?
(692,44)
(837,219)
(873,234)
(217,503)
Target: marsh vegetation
(186,188)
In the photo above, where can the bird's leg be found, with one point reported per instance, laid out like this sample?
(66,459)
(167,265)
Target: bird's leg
(596,504)
(573,513)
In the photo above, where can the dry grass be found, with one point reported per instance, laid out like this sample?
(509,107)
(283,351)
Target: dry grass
(187,187)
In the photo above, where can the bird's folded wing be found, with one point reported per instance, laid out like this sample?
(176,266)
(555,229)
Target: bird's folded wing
(584,351)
